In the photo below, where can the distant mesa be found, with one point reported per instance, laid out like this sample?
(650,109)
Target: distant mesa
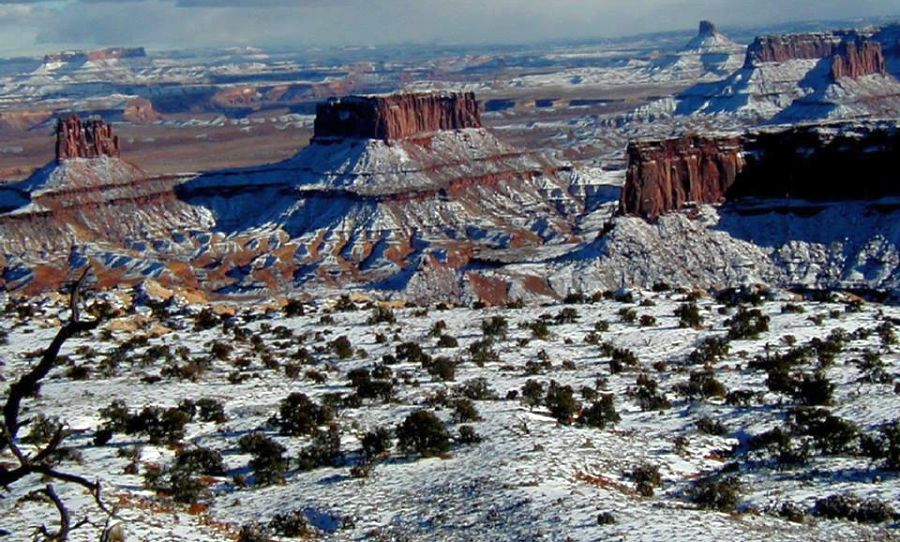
(396,117)
(91,138)
(99,54)
(852,54)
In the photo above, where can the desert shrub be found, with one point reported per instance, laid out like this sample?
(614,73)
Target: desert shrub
(711,426)
(741,398)
(601,326)
(720,493)
(792,308)
(561,402)
(646,479)
(300,415)
(42,430)
(622,359)
(710,350)
(648,395)
(210,410)
(495,327)
(647,320)
(885,445)
(268,462)
(689,315)
(477,389)
(600,413)
(438,328)
(532,393)
(606,518)
(423,433)
(853,508)
(411,352)
(206,319)
(158,424)
(468,435)
(464,411)
(540,330)
(567,315)
(627,315)
(813,389)
(341,347)
(887,334)
(747,324)
(292,525)
(779,445)
(294,307)
(443,368)
(447,341)
(201,460)
(701,384)
(382,315)
(325,450)
(376,443)
(624,296)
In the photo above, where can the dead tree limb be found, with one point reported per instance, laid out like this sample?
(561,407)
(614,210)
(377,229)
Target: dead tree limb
(42,461)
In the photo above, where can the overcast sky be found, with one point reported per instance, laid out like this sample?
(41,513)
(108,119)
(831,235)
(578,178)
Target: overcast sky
(34,26)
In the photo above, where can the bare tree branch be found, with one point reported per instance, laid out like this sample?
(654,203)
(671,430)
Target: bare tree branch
(41,462)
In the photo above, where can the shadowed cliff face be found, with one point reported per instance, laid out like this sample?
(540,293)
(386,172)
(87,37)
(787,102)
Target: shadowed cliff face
(664,175)
(76,138)
(842,162)
(858,58)
(396,117)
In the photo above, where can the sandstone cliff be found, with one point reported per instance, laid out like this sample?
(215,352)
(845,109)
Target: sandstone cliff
(791,47)
(818,163)
(858,58)
(76,138)
(664,175)
(395,117)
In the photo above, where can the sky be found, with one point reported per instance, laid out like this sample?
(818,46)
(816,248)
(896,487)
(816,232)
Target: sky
(36,26)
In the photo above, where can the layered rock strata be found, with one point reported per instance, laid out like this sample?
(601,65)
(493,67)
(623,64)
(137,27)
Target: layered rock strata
(836,162)
(395,117)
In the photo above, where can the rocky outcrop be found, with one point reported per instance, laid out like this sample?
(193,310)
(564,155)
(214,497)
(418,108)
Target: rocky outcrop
(92,138)
(817,163)
(708,28)
(857,58)
(665,175)
(396,117)
(140,110)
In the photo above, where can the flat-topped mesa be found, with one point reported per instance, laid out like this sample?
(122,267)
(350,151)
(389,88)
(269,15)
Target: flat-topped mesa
(400,116)
(857,58)
(92,138)
(790,47)
(665,175)
(98,54)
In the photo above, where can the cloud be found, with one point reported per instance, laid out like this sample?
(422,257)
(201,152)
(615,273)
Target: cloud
(186,23)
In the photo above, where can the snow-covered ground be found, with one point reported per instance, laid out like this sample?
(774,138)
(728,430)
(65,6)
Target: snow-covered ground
(531,478)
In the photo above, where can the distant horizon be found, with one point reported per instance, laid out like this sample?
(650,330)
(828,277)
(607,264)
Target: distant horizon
(38,27)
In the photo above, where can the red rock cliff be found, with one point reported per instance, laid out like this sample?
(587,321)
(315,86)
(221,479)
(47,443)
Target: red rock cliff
(857,58)
(76,138)
(791,47)
(399,116)
(665,175)
(830,163)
